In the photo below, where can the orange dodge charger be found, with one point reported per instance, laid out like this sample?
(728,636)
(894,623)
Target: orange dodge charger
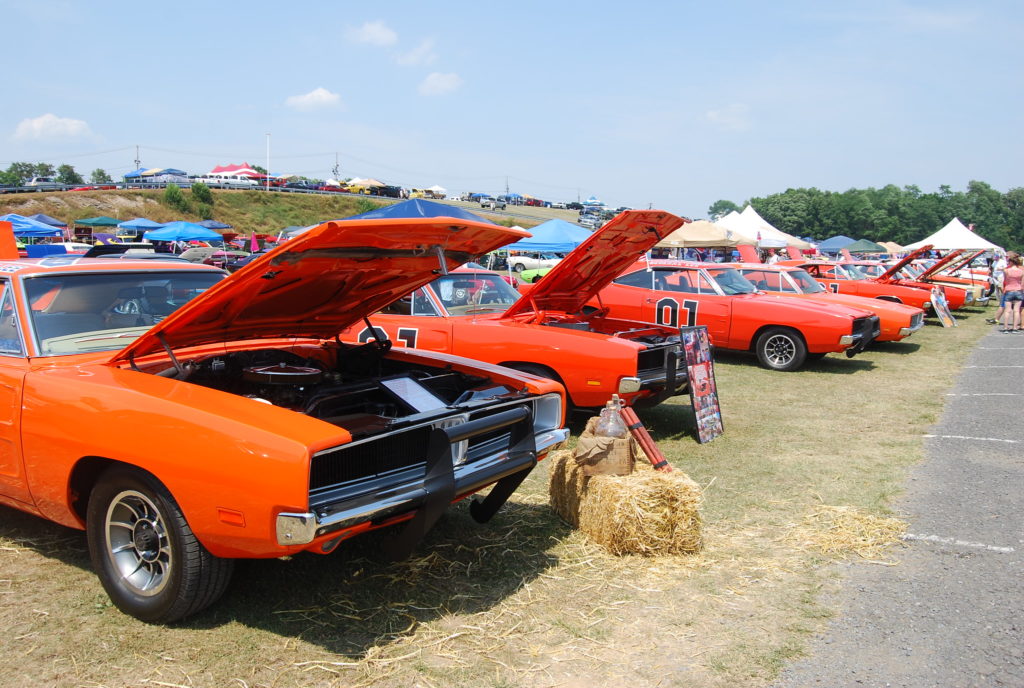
(183,418)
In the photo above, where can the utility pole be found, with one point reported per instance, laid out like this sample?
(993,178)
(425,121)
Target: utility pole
(336,170)
(268,162)
(506,186)
(137,161)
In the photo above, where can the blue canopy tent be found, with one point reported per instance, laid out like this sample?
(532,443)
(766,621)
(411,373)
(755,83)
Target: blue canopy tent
(47,220)
(26,227)
(418,207)
(836,243)
(554,235)
(140,223)
(213,224)
(182,231)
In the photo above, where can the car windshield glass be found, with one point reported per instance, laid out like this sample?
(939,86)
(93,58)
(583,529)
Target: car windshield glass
(730,281)
(471,293)
(804,282)
(852,272)
(873,270)
(911,270)
(75,313)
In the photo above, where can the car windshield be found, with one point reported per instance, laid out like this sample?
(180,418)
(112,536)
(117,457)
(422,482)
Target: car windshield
(76,313)
(853,272)
(731,282)
(806,283)
(872,269)
(472,293)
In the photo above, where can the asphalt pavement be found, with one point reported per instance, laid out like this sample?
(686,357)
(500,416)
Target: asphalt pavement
(951,613)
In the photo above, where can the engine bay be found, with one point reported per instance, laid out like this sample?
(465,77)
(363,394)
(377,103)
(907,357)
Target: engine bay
(359,388)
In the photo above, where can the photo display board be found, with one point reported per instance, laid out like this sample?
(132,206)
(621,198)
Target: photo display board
(703,389)
(941,307)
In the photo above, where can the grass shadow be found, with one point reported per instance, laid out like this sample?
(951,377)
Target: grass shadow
(836,364)
(900,348)
(356,599)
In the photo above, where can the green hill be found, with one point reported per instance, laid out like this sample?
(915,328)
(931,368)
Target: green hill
(246,211)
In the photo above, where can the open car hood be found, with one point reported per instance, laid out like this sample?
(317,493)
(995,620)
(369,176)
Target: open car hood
(956,260)
(597,261)
(324,280)
(899,265)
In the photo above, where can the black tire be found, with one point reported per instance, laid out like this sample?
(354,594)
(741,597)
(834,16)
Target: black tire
(780,348)
(145,554)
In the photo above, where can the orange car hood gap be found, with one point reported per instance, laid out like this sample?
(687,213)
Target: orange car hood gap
(597,261)
(899,265)
(324,280)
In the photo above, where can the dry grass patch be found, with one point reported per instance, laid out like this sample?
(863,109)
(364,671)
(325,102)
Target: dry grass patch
(527,601)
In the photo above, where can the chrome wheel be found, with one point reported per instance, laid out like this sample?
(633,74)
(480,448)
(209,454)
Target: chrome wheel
(779,350)
(137,542)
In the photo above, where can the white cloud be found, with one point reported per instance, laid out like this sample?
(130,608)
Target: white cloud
(735,117)
(50,126)
(422,54)
(438,83)
(316,99)
(374,33)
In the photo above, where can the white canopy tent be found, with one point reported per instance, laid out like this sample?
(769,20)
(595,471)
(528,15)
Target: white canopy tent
(752,226)
(953,236)
(704,234)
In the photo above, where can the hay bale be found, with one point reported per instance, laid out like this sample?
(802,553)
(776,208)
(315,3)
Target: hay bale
(565,485)
(646,512)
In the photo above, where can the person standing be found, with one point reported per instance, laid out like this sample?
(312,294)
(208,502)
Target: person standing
(1013,289)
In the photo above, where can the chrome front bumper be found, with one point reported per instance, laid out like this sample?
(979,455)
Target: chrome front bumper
(303,528)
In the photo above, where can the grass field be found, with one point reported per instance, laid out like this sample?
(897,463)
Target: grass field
(807,459)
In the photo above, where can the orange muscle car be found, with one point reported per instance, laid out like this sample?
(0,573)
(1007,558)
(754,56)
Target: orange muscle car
(244,428)
(895,320)
(472,312)
(956,297)
(783,331)
(847,279)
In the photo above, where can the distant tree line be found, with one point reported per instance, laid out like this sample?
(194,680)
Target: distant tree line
(20,173)
(903,215)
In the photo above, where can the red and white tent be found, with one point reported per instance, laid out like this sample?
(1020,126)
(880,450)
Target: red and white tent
(243,170)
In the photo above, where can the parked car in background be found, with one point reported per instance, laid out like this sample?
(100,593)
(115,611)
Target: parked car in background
(895,320)
(492,203)
(846,279)
(244,429)
(474,313)
(783,332)
(94,187)
(531,260)
(302,186)
(42,183)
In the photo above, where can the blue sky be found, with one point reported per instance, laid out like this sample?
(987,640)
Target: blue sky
(674,104)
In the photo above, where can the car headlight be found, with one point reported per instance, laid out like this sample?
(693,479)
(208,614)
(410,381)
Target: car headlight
(547,412)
